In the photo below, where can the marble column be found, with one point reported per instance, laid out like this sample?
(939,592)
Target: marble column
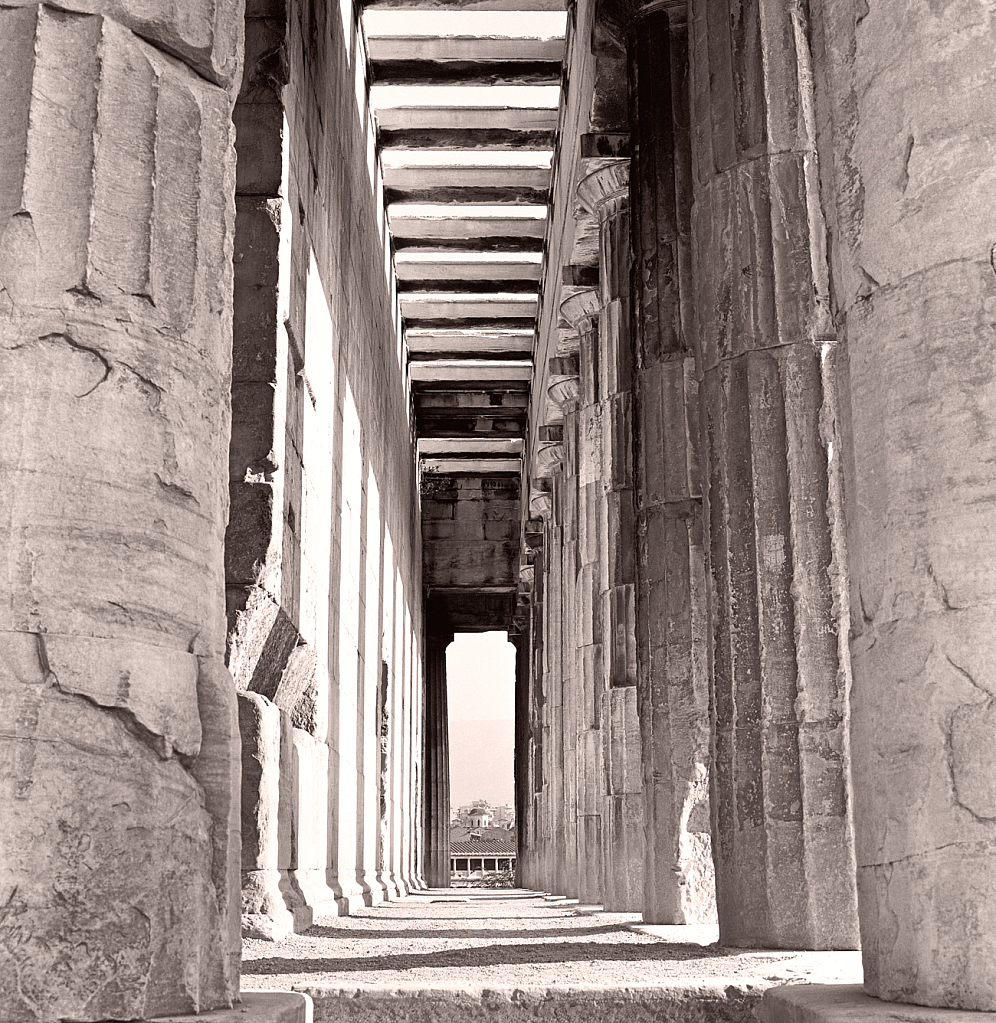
(581,311)
(538,701)
(521,642)
(436,773)
(605,194)
(910,108)
(563,395)
(782,838)
(671,604)
(119,753)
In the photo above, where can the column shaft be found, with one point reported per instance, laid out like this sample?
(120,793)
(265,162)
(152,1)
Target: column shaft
(782,837)
(605,193)
(436,820)
(120,752)
(914,292)
(589,759)
(672,652)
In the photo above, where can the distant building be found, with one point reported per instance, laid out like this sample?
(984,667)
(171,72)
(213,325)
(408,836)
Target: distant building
(478,853)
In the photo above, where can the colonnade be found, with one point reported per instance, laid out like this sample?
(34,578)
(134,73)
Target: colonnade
(742,503)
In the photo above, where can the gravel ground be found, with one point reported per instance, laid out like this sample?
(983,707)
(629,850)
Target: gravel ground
(505,938)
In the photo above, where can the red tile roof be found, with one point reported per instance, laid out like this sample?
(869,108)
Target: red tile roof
(476,850)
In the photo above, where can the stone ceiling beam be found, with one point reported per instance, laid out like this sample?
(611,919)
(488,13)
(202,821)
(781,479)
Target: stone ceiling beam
(405,135)
(467,370)
(432,306)
(467,270)
(465,72)
(464,47)
(454,446)
(483,175)
(465,5)
(464,118)
(480,343)
(463,227)
(476,466)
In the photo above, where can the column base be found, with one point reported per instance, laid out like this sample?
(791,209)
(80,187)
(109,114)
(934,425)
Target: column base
(848,1003)
(256,1007)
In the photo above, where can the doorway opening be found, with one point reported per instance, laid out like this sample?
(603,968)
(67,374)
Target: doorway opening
(480,672)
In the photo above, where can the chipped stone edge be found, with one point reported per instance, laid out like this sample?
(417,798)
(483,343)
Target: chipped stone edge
(256,1007)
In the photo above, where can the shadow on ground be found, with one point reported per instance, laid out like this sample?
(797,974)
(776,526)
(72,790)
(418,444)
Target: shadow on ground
(555,932)
(497,955)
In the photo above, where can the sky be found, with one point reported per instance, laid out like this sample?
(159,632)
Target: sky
(480,673)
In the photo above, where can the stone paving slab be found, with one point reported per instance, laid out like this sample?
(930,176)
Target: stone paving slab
(847,1003)
(506,940)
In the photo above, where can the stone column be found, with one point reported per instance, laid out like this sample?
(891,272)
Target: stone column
(548,466)
(563,395)
(521,642)
(436,774)
(779,671)
(581,311)
(539,849)
(907,151)
(605,194)
(672,650)
(120,751)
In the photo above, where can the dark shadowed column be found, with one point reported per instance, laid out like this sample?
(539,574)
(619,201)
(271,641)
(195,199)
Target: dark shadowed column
(436,777)
(672,648)
(605,194)
(779,672)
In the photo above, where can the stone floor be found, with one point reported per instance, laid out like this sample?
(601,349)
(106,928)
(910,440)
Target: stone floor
(507,939)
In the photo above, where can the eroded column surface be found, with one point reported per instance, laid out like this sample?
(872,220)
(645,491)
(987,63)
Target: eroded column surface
(119,801)
(781,833)
(605,194)
(436,775)
(563,393)
(672,648)
(907,156)
(581,311)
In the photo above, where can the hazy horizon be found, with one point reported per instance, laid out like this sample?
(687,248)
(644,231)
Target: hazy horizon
(480,675)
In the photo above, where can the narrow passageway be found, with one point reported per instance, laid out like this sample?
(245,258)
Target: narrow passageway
(513,939)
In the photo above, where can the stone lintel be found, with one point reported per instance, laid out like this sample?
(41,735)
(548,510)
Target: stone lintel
(256,1007)
(848,1003)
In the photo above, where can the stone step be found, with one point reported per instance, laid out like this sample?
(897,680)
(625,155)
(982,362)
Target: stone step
(716,1000)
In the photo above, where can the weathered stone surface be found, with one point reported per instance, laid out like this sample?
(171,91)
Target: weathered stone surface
(671,596)
(906,154)
(265,913)
(89,921)
(778,671)
(700,1002)
(116,225)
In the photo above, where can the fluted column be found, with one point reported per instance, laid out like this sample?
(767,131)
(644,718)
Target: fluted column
(581,311)
(914,294)
(782,838)
(605,194)
(672,651)
(563,395)
(119,749)
(548,468)
(436,774)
